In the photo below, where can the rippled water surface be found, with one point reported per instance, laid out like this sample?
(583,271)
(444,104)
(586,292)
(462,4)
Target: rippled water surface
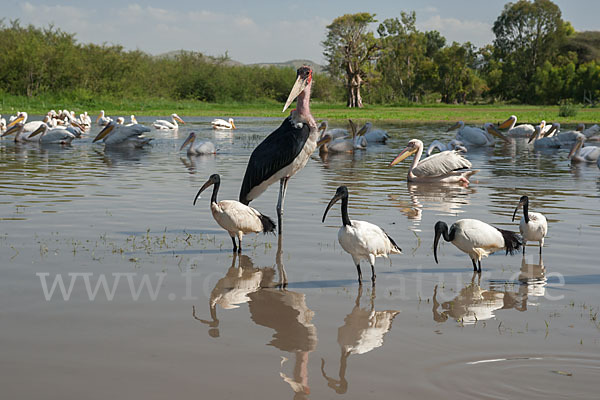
(213,325)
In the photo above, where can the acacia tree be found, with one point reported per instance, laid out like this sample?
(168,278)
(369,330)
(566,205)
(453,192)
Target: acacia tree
(528,33)
(350,50)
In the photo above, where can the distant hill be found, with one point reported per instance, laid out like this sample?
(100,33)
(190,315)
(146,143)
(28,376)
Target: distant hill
(292,63)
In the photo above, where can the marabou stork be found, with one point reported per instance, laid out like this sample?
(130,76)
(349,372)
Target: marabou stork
(286,150)
(219,123)
(445,167)
(533,225)
(363,240)
(476,238)
(198,148)
(236,218)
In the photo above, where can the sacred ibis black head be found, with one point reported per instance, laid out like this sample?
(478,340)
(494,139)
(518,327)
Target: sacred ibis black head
(214,179)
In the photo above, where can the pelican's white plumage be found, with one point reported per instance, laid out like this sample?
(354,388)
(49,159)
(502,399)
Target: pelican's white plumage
(476,238)
(448,166)
(198,147)
(328,144)
(518,131)
(473,136)
(533,225)
(362,240)
(539,142)
(165,125)
(236,218)
(102,119)
(583,154)
(115,135)
(219,123)
(452,145)
(52,136)
(335,132)
(373,135)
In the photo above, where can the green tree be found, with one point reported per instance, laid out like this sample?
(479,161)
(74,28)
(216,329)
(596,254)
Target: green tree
(350,49)
(528,33)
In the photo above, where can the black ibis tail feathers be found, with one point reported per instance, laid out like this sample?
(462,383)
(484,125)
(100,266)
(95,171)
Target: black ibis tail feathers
(267,223)
(394,245)
(512,241)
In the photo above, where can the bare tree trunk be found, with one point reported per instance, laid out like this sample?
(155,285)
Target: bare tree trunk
(354,97)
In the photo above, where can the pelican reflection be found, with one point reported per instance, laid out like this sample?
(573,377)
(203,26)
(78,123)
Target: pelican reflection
(363,330)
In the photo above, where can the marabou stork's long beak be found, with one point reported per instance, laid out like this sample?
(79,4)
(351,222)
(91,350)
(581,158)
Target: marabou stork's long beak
(495,132)
(299,86)
(441,228)
(339,194)
(506,123)
(407,152)
(104,132)
(191,137)
(178,119)
(16,121)
(39,130)
(12,129)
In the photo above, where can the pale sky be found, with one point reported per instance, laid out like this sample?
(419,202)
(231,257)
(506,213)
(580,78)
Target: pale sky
(269,31)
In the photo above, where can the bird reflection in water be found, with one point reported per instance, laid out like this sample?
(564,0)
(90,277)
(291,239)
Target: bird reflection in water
(286,312)
(233,289)
(474,303)
(363,331)
(193,162)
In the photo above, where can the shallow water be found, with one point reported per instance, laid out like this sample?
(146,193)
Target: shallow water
(213,325)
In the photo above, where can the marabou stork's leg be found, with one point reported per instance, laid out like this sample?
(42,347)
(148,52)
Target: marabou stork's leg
(359,273)
(282,188)
(474,265)
(234,244)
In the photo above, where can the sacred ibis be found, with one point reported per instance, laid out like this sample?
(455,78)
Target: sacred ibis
(533,225)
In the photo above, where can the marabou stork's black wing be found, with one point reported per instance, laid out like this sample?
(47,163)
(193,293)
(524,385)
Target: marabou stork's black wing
(278,150)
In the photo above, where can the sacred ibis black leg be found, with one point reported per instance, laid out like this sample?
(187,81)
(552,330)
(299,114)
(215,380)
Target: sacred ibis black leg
(359,274)
(234,244)
(474,264)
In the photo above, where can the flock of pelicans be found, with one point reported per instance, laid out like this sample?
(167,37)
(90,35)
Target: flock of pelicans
(286,151)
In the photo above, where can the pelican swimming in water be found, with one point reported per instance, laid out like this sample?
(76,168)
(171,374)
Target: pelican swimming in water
(53,136)
(327,144)
(219,123)
(165,125)
(334,133)
(102,119)
(540,142)
(452,145)
(580,154)
(363,240)
(476,238)
(565,138)
(447,167)
(472,136)
(115,135)
(236,218)
(198,147)
(373,135)
(519,131)
(533,225)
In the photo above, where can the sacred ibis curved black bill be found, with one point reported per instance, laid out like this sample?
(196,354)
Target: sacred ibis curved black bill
(533,225)
(236,218)
(476,238)
(285,151)
(361,239)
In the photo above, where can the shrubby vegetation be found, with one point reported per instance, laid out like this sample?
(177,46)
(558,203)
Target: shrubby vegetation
(536,58)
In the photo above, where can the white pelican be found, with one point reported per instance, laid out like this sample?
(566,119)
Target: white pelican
(219,123)
(286,150)
(533,225)
(373,135)
(2,124)
(165,125)
(476,238)
(115,135)
(133,120)
(335,132)
(17,129)
(363,240)
(583,154)
(236,218)
(472,136)
(452,145)
(448,166)
(198,148)
(120,120)
(55,135)
(327,144)
(30,126)
(539,142)
(520,131)
(102,119)
(566,138)
(591,131)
